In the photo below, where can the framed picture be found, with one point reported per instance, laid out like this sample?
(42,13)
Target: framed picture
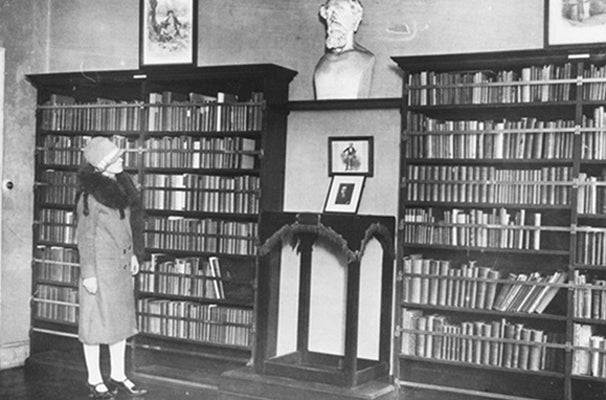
(344,193)
(168,30)
(350,155)
(575,22)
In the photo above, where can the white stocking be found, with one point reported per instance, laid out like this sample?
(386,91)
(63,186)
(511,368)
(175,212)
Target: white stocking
(117,358)
(91,357)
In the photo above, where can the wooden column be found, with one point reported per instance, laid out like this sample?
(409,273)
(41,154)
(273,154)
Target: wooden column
(305,248)
(350,364)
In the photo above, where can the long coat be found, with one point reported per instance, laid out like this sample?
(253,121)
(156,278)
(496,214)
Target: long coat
(105,244)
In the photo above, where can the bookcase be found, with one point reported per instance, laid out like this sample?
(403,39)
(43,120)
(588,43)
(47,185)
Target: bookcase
(207,146)
(501,272)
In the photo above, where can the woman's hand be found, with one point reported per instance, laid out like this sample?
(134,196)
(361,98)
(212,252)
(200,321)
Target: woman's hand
(90,284)
(134,265)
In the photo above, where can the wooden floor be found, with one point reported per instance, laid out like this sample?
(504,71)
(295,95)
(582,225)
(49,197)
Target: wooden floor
(15,384)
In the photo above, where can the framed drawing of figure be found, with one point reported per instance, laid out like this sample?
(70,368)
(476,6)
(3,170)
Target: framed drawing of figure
(575,23)
(167,32)
(350,155)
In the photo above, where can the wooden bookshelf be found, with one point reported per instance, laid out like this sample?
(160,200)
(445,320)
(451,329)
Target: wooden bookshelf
(502,192)
(207,146)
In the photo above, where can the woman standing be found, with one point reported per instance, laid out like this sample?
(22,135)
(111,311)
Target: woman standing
(110,243)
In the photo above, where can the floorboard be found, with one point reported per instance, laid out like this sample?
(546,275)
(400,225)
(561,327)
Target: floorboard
(15,384)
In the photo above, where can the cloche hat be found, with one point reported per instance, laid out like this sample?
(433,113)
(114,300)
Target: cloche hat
(100,152)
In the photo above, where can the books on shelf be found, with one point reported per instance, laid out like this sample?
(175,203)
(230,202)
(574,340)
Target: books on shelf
(489,87)
(488,184)
(499,343)
(589,297)
(221,112)
(201,235)
(56,264)
(506,139)
(469,285)
(585,361)
(182,276)
(497,228)
(56,303)
(209,323)
(165,111)
(215,270)
(189,152)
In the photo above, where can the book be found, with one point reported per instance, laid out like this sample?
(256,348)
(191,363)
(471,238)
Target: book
(420,339)
(535,356)
(154,113)
(580,356)
(415,282)
(247,159)
(58,116)
(408,340)
(225,111)
(596,365)
(548,292)
(215,268)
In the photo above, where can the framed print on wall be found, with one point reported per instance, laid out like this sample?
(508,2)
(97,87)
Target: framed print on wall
(344,193)
(350,155)
(575,23)
(168,32)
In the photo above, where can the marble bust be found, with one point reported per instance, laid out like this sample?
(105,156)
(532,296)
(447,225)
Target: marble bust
(345,70)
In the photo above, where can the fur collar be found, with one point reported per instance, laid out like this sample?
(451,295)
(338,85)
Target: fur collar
(118,194)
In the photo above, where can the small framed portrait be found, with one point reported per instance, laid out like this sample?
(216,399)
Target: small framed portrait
(168,31)
(344,194)
(575,23)
(350,155)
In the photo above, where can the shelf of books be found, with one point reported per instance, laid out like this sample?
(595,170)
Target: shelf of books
(502,283)
(207,148)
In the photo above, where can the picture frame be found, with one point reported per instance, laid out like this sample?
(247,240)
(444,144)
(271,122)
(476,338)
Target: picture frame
(350,155)
(344,194)
(574,23)
(168,31)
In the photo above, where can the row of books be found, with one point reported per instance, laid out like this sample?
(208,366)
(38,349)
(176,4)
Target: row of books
(438,282)
(591,193)
(201,322)
(498,343)
(166,152)
(208,193)
(189,276)
(527,85)
(594,90)
(199,152)
(206,235)
(172,111)
(498,228)
(589,297)
(63,113)
(166,111)
(593,135)
(56,264)
(524,138)
(589,354)
(56,303)
(58,187)
(67,150)
(56,226)
(591,245)
(488,184)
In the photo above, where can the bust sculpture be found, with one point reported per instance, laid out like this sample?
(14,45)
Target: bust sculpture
(345,70)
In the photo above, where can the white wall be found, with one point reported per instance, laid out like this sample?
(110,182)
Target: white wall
(71,35)
(328,295)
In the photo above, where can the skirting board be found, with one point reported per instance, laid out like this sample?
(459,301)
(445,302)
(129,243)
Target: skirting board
(13,354)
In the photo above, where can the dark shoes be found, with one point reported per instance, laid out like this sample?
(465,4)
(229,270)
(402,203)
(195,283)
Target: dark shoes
(96,394)
(127,386)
